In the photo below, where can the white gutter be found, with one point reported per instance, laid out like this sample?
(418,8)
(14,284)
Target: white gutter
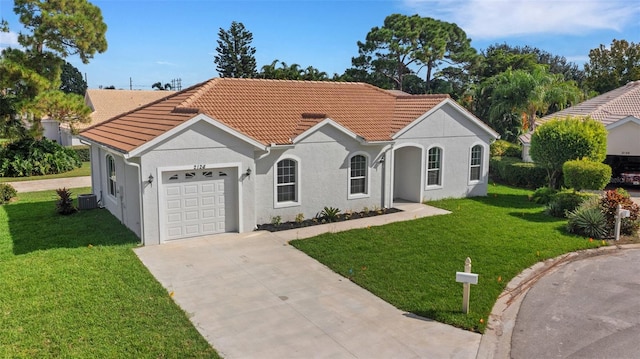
(126,161)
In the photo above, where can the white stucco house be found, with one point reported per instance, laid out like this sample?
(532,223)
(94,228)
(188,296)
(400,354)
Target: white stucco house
(229,154)
(618,110)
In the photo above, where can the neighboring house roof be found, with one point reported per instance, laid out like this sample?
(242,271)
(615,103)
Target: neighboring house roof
(268,111)
(107,104)
(607,108)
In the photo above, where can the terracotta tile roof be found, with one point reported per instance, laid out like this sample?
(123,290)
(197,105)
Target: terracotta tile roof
(607,108)
(110,103)
(269,111)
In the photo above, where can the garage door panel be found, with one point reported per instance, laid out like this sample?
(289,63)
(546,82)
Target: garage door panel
(196,203)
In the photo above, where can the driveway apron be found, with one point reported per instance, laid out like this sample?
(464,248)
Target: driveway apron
(255,296)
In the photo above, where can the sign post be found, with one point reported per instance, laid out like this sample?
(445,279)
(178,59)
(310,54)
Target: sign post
(466,278)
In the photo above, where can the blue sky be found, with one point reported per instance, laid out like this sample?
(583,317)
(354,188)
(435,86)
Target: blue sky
(160,40)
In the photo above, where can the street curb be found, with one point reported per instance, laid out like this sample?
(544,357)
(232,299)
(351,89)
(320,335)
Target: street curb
(496,341)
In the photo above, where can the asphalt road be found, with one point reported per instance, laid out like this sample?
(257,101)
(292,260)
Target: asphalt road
(589,308)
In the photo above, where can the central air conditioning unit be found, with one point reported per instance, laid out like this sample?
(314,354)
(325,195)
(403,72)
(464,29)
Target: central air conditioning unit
(87,201)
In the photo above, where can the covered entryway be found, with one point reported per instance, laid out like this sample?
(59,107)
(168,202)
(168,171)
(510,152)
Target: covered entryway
(199,202)
(407,174)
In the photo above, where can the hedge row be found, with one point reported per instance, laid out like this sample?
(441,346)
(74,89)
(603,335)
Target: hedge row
(84,153)
(514,172)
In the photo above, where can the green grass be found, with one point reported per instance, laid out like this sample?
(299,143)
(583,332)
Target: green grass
(72,287)
(84,170)
(412,265)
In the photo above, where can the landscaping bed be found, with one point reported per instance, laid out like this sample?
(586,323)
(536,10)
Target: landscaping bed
(347,216)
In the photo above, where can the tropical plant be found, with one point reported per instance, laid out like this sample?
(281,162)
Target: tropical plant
(563,202)
(7,192)
(543,195)
(330,214)
(64,204)
(587,220)
(609,205)
(29,157)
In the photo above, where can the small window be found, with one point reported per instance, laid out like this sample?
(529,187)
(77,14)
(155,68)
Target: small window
(111,175)
(222,174)
(173,178)
(189,175)
(358,175)
(207,174)
(476,163)
(286,186)
(434,167)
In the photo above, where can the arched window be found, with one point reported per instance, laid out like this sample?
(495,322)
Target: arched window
(287,181)
(434,166)
(111,175)
(475,165)
(358,175)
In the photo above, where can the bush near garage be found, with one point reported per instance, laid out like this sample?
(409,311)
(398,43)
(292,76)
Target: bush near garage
(566,201)
(83,152)
(585,174)
(30,157)
(514,172)
(504,148)
(609,205)
(7,192)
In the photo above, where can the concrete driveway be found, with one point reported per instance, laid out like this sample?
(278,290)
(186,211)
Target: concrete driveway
(589,308)
(255,296)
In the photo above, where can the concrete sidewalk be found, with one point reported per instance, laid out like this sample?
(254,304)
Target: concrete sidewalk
(254,296)
(51,184)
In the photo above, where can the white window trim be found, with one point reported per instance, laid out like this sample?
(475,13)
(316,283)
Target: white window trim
(367,193)
(109,158)
(298,201)
(426,168)
(482,164)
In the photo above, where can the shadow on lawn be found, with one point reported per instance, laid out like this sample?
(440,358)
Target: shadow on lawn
(36,226)
(506,201)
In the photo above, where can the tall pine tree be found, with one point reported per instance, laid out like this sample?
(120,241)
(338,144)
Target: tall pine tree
(235,54)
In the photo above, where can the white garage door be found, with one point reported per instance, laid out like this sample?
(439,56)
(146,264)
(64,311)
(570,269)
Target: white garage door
(199,202)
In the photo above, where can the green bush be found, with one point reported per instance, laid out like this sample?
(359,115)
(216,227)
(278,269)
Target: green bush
(514,172)
(566,201)
(586,174)
(504,148)
(83,152)
(609,205)
(588,220)
(29,157)
(6,192)
(543,195)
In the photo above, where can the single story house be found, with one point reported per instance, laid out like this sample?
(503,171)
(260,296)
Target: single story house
(619,112)
(229,154)
(104,105)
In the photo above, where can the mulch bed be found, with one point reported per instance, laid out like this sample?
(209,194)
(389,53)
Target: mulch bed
(273,227)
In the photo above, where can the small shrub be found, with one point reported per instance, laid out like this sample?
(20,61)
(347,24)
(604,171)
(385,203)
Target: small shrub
(330,214)
(299,217)
(514,172)
(587,220)
(504,148)
(566,201)
(64,205)
(7,192)
(609,205)
(83,152)
(543,195)
(276,220)
(586,174)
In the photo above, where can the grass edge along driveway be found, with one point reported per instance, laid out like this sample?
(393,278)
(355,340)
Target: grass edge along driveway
(73,287)
(412,264)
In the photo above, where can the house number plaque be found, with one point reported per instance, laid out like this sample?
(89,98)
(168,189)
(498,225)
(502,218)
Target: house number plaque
(199,167)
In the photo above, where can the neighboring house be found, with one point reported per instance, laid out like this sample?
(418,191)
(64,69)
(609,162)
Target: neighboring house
(104,105)
(619,111)
(229,154)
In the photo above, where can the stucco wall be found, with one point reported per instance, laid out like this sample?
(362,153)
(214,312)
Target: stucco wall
(624,140)
(456,135)
(323,159)
(199,145)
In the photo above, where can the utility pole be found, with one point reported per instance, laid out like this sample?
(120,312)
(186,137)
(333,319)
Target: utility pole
(130,84)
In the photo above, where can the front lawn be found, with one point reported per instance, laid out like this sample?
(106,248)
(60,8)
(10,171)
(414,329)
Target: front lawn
(412,265)
(84,170)
(73,288)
